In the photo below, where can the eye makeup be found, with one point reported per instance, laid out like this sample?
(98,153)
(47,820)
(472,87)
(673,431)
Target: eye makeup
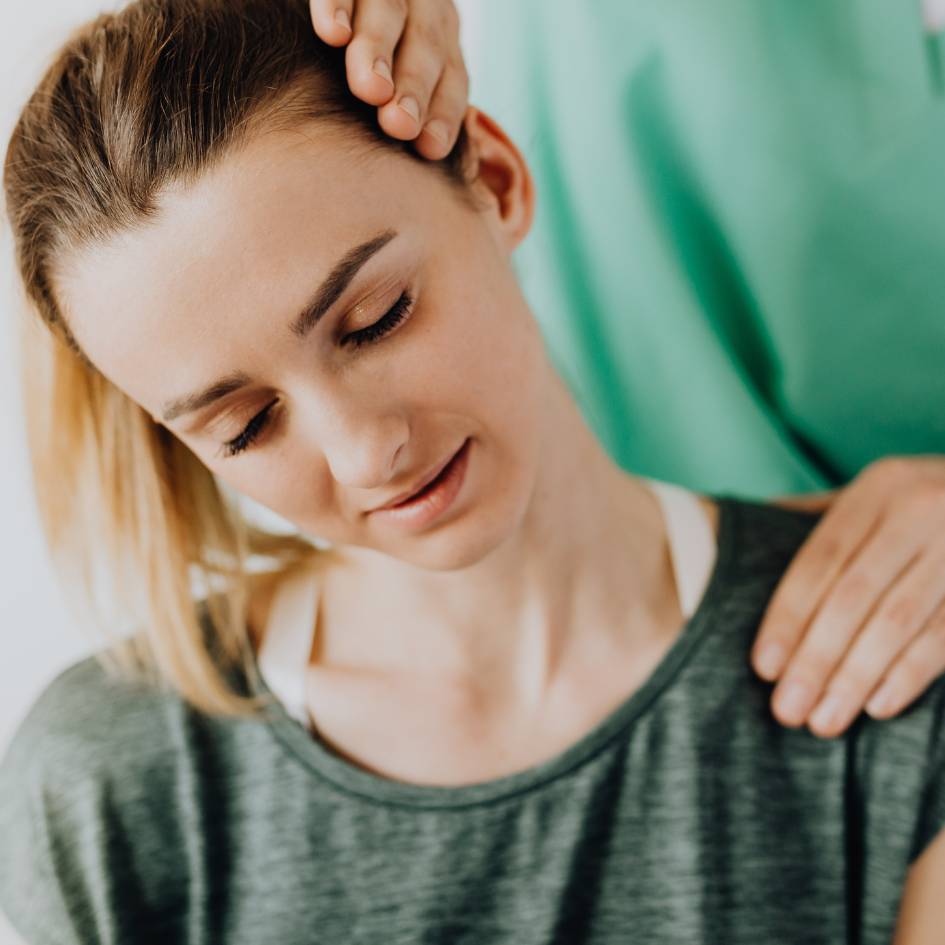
(385,324)
(389,321)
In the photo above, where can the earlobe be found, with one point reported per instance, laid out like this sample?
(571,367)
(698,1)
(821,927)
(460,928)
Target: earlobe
(501,175)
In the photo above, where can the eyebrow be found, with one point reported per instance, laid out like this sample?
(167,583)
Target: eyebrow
(321,302)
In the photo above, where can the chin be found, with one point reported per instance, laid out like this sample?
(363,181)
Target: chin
(465,542)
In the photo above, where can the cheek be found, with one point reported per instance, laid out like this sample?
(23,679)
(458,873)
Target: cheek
(496,365)
(481,348)
(288,481)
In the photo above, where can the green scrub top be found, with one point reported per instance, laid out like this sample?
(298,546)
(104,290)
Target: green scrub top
(738,258)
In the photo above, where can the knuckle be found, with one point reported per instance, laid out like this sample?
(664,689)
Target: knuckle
(828,549)
(851,590)
(399,7)
(901,615)
(450,98)
(427,33)
(785,620)
(928,500)
(369,43)
(418,76)
(814,666)
(911,670)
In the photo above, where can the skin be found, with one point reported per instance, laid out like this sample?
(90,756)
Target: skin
(851,627)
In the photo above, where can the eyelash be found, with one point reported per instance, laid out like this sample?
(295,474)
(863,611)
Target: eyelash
(383,326)
(386,323)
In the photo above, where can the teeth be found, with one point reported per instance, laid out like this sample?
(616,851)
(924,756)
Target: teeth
(430,484)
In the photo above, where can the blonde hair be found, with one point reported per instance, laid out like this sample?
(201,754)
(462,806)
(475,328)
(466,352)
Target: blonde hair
(134,101)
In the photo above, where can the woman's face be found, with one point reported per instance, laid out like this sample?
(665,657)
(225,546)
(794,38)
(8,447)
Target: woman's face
(423,343)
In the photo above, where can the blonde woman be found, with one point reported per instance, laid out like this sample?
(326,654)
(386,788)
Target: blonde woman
(503,694)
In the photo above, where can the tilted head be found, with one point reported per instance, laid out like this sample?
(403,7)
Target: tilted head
(247,282)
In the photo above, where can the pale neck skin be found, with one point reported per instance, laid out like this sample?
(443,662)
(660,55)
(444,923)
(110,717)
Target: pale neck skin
(550,563)
(585,577)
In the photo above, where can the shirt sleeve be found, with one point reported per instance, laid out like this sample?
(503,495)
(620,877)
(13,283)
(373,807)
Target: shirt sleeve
(90,848)
(33,895)
(54,879)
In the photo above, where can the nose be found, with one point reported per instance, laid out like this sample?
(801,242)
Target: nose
(362,442)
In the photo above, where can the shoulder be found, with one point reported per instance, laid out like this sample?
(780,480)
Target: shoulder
(900,771)
(77,763)
(766,537)
(77,722)
(756,544)
(86,746)
(901,751)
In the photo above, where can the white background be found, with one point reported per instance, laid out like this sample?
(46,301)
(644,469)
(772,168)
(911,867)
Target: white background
(38,636)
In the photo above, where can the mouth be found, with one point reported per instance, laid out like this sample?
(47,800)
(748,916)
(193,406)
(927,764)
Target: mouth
(427,484)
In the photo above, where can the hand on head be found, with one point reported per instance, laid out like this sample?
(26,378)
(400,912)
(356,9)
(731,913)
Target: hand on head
(404,57)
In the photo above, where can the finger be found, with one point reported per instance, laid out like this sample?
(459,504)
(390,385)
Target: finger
(922,661)
(447,109)
(808,578)
(857,591)
(898,619)
(332,20)
(810,502)
(378,28)
(417,72)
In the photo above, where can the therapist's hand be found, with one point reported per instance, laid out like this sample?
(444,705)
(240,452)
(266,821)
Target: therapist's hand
(403,56)
(858,621)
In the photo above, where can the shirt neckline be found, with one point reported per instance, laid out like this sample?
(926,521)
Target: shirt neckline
(346,777)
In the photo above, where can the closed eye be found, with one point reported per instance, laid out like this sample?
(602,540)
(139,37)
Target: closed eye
(385,324)
(255,426)
(397,313)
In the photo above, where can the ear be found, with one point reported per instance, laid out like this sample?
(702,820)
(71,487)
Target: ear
(500,177)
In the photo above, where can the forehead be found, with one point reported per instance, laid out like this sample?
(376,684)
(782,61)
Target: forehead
(161,306)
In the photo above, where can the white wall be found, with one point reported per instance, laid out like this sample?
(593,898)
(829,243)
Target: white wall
(38,636)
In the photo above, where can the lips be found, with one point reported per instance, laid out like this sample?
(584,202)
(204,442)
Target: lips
(421,485)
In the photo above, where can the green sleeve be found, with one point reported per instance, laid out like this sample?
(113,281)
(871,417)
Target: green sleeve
(736,252)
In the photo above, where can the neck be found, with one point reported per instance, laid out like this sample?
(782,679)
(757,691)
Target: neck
(586,571)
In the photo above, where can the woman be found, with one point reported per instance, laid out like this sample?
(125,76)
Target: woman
(527,712)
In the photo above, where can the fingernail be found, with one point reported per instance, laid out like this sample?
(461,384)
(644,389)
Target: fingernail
(882,703)
(342,19)
(770,659)
(439,131)
(830,713)
(409,104)
(794,702)
(382,69)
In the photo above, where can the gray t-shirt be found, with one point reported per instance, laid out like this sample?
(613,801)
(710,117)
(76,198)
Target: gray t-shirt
(687,815)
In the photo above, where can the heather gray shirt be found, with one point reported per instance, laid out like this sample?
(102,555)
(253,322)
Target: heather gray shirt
(687,815)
